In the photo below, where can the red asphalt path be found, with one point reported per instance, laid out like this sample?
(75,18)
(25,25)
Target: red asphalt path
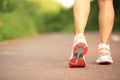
(45,57)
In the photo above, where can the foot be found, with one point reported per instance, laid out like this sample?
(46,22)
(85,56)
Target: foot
(79,51)
(104,53)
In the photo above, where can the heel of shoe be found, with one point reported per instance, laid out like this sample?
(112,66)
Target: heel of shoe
(79,51)
(74,63)
(81,63)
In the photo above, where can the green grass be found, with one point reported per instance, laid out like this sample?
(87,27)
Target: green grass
(15,25)
(21,18)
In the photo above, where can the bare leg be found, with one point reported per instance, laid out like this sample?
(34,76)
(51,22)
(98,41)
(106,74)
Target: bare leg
(81,13)
(106,19)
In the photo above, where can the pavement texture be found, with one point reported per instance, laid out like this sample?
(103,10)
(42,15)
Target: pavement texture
(44,57)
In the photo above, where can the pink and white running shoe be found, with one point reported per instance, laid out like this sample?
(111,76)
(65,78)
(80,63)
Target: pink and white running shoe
(79,51)
(104,53)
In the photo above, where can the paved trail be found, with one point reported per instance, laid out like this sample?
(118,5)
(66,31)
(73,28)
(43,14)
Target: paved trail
(45,57)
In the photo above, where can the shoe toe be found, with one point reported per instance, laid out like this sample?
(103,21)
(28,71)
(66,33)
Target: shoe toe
(104,60)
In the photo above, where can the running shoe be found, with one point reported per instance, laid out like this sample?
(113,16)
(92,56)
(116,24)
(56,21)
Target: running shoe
(79,51)
(104,59)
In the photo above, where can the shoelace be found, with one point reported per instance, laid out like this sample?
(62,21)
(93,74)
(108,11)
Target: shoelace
(103,48)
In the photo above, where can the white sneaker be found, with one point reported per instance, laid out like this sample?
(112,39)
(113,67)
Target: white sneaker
(104,59)
(79,51)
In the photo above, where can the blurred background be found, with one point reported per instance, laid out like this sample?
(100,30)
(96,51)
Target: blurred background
(21,18)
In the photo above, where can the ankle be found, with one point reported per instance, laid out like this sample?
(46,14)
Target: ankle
(106,43)
(80,36)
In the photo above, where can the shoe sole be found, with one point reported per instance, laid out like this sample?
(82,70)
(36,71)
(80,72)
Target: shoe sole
(79,51)
(104,63)
(104,60)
